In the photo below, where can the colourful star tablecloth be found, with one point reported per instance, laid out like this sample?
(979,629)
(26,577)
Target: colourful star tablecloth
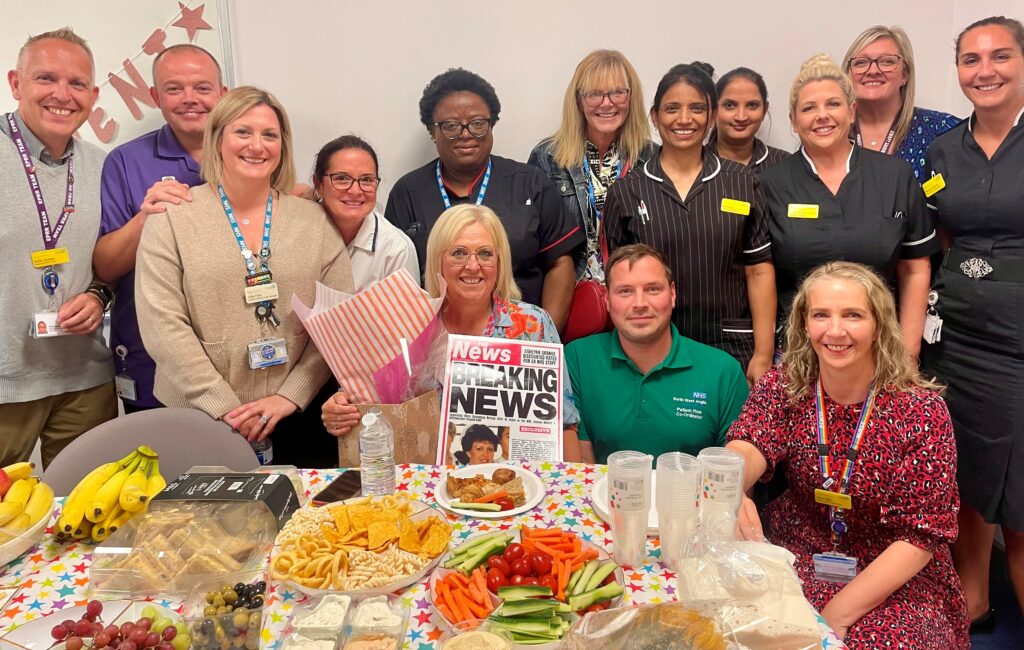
(50,576)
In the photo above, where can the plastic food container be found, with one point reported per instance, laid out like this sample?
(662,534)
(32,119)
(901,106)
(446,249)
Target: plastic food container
(326,619)
(240,627)
(169,550)
(496,639)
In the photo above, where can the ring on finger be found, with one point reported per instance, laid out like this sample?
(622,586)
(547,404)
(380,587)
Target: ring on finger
(264,419)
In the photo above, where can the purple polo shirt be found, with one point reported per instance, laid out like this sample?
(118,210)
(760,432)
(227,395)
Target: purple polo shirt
(128,172)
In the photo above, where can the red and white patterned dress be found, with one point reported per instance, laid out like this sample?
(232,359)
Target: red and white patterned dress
(903,488)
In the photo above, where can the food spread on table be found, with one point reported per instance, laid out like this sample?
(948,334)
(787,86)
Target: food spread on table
(503,490)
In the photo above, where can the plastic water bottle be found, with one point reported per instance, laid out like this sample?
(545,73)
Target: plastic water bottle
(377,455)
(264,450)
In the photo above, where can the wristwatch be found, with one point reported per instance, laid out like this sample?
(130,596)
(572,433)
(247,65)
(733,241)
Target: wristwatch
(103,293)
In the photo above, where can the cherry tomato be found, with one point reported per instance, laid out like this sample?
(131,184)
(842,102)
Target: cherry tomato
(550,582)
(610,579)
(597,607)
(516,580)
(506,503)
(531,580)
(496,579)
(541,562)
(513,552)
(499,563)
(521,567)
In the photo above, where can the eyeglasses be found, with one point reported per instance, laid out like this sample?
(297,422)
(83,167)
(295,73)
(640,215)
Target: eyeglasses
(595,98)
(484,257)
(452,130)
(885,63)
(343,182)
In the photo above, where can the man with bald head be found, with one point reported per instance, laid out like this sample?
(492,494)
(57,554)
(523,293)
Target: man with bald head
(55,374)
(138,177)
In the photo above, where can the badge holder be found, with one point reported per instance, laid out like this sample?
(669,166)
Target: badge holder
(932,320)
(124,385)
(44,323)
(268,351)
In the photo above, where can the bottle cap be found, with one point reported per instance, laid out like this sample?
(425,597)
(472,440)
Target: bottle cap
(369,419)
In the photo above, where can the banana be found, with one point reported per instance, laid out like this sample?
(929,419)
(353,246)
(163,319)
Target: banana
(133,494)
(118,517)
(9,511)
(40,503)
(19,524)
(19,470)
(83,531)
(97,509)
(74,506)
(156,483)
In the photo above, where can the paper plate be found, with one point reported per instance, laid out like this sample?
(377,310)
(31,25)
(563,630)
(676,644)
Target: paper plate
(533,486)
(599,499)
(421,511)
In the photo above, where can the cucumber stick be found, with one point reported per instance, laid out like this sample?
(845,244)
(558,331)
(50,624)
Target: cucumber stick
(584,580)
(602,572)
(469,505)
(599,595)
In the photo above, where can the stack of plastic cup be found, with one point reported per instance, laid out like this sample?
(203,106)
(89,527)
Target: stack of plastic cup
(721,492)
(676,495)
(629,499)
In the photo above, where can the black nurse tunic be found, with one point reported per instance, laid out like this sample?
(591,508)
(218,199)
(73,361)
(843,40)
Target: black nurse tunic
(981,301)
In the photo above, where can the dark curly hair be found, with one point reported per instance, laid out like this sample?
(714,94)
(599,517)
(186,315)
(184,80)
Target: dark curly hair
(455,80)
(475,433)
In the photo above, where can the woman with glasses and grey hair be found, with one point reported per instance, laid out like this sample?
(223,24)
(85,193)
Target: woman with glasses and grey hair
(880,62)
(604,134)
(459,110)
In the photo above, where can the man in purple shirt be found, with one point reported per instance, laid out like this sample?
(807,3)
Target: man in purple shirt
(138,178)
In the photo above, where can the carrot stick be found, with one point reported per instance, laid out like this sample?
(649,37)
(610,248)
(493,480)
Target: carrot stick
(555,554)
(446,612)
(481,583)
(459,579)
(474,610)
(493,496)
(537,532)
(446,597)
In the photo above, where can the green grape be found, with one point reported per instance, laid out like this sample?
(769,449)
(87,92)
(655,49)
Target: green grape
(149,612)
(181,642)
(159,624)
(182,628)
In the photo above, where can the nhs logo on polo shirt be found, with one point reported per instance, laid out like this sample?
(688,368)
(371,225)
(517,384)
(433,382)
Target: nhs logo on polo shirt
(691,407)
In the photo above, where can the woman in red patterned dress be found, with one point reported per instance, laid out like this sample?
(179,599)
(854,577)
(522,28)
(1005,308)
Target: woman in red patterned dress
(872,499)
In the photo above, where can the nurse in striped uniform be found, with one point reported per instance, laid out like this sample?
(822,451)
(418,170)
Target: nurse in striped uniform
(707,215)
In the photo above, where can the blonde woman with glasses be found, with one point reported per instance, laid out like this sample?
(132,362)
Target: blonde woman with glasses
(881,64)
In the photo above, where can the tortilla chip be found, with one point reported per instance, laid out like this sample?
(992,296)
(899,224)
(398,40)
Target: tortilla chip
(340,514)
(361,516)
(409,538)
(436,541)
(329,534)
(381,533)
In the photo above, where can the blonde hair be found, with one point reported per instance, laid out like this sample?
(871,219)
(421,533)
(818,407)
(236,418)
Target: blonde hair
(449,226)
(894,369)
(229,109)
(896,33)
(63,34)
(820,67)
(569,142)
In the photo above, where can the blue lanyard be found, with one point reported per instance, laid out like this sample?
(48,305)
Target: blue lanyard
(250,263)
(590,186)
(444,192)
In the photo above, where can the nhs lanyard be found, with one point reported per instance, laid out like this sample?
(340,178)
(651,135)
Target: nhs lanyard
(51,233)
(824,451)
(264,254)
(590,186)
(886,144)
(480,195)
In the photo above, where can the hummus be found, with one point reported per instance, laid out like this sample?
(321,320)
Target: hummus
(477,640)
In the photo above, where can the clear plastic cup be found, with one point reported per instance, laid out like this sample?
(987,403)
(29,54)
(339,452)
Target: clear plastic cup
(629,500)
(676,497)
(721,491)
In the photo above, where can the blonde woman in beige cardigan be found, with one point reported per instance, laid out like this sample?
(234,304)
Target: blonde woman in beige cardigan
(196,261)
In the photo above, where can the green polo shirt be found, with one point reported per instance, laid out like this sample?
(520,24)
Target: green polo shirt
(685,403)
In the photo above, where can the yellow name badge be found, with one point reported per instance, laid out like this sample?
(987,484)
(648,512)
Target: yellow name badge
(261,292)
(51,257)
(834,499)
(736,207)
(802,211)
(933,185)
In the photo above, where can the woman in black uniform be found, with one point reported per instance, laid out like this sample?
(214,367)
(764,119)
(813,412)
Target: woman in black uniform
(742,107)
(833,201)
(976,187)
(706,214)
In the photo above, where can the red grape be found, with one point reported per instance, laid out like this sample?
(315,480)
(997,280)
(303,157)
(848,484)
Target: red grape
(97,627)
(170,632)
(165,646)
(83,628)
(74,643)
(127,645)
(69,624)
(139,635)
(94,607)
(89,617)
(145,623)
(59,632)
(112,631)
(101,640)
(127,629)
(152,639)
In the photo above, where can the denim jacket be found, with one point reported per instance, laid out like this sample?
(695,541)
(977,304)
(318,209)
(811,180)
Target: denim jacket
(571,183)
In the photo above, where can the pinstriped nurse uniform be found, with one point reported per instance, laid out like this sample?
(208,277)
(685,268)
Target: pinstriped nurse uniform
(708,237)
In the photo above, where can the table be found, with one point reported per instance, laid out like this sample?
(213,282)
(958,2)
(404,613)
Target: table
(54,576)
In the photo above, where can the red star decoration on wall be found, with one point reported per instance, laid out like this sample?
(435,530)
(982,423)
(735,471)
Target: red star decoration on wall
(191,20)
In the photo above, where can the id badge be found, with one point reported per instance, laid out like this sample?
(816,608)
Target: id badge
(44,325)
(124,386)
(267,352)
(834,499)
(261,293)
(834,567)
(50,257)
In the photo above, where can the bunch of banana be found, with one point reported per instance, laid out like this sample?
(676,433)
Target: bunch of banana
(110,494)
(25,502)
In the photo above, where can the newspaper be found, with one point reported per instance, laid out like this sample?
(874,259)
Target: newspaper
(502,401)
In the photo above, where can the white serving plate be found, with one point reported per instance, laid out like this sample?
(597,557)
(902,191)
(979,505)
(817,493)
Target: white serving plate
(532,485)
(35,635)
(599,499)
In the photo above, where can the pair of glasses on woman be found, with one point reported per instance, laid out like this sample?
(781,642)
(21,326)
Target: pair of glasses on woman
(595,98)
(343,182)
(484,256)
(452,130)
(885,63)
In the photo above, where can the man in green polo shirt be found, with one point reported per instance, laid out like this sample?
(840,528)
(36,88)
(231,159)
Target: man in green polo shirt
(643,386)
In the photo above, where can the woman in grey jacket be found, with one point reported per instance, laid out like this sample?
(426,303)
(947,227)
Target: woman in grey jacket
(603,135)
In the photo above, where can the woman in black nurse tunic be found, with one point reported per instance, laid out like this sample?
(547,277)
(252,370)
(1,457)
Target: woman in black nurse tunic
(976,187)
(833,201)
